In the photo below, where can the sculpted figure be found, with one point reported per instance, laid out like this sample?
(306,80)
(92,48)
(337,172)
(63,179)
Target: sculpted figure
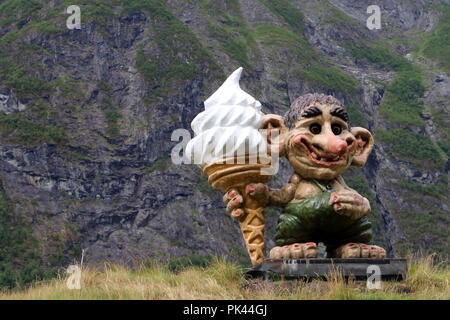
(318,206)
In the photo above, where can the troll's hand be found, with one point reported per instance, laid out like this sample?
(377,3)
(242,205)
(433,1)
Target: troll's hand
(234,201)
(350,204)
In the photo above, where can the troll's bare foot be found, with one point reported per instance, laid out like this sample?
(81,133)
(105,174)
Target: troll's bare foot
(359,250)
(295,251)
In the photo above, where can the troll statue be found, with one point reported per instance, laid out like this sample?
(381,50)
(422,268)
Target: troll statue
(318,206)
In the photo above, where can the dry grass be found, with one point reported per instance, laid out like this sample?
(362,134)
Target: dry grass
(223,280)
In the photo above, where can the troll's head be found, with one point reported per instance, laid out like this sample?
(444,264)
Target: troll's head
(316,137)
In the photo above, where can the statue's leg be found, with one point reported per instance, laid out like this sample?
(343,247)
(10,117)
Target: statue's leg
(293,239)
(352,242)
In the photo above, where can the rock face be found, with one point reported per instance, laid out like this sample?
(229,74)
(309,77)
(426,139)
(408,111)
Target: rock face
(87,116)
(9,103)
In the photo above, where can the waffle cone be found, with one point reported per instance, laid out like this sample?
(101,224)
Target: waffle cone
(224,176)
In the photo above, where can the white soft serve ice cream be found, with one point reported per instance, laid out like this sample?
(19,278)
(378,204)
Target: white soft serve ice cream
(229,125)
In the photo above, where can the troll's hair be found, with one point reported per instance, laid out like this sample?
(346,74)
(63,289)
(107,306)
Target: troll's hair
(299,104)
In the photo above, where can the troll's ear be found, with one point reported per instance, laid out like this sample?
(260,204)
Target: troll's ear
(364,145)
(276,129)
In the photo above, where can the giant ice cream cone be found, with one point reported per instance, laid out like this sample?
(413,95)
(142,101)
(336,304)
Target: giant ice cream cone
(227,140)
(225,176)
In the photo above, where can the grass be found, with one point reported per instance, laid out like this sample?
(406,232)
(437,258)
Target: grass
(422,228)
(412,147)
(336,17)
(160,165)
(224,280)
(45,27)
(12,11)
(20,262)
(227,26)
(330,78)
(402,107)
(110,111)
(438,190)
(306,60)
(235,48)
(16,129)
(403,101)
(289,13)
(29,127)
(376,53)
(181,55)
(436,45)
(26,85)
(356,115)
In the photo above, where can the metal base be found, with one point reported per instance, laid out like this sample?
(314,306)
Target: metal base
(392,269)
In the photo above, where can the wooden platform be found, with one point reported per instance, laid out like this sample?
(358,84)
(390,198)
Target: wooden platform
(392,269)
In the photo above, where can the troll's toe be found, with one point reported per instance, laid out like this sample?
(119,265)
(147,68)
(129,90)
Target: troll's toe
(348,251)
(278,253)
(365,250)
(275,253)
(377,252)
(310,250)
(296,251)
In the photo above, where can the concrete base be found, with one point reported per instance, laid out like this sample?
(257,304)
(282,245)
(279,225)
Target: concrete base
(392,269)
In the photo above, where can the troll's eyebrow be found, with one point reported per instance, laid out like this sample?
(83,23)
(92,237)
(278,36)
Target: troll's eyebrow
(311,112)
(340,113)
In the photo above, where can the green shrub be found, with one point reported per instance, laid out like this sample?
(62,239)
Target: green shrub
(227,26)
(20,263)
(112,121)
(98,11)
(12,11)
(377,54)
(356,115)
(425,229)
(310,64)
(17,129)
(411,147)
(288,12)
(181,56)
(235,48)
(437,45)
(272,35)
(18,78)
(436,190)
(110,111)
(160,165)
(337,17)
(330,77)
(402,103)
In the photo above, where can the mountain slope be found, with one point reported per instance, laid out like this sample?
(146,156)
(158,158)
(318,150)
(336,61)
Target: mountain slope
(86,116)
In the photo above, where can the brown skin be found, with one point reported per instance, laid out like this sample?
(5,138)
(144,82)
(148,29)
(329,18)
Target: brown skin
(321,147)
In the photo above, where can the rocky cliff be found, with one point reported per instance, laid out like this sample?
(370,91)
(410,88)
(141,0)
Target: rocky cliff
(86,116)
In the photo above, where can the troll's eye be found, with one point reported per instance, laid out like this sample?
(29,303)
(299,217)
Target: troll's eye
(315,128)
(336,128)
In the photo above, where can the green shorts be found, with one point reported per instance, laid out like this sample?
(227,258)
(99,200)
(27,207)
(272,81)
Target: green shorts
(314,220)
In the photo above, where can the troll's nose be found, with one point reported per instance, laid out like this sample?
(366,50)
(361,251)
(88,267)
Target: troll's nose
(336,145)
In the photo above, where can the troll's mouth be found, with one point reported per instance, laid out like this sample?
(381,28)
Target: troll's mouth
(320,158)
